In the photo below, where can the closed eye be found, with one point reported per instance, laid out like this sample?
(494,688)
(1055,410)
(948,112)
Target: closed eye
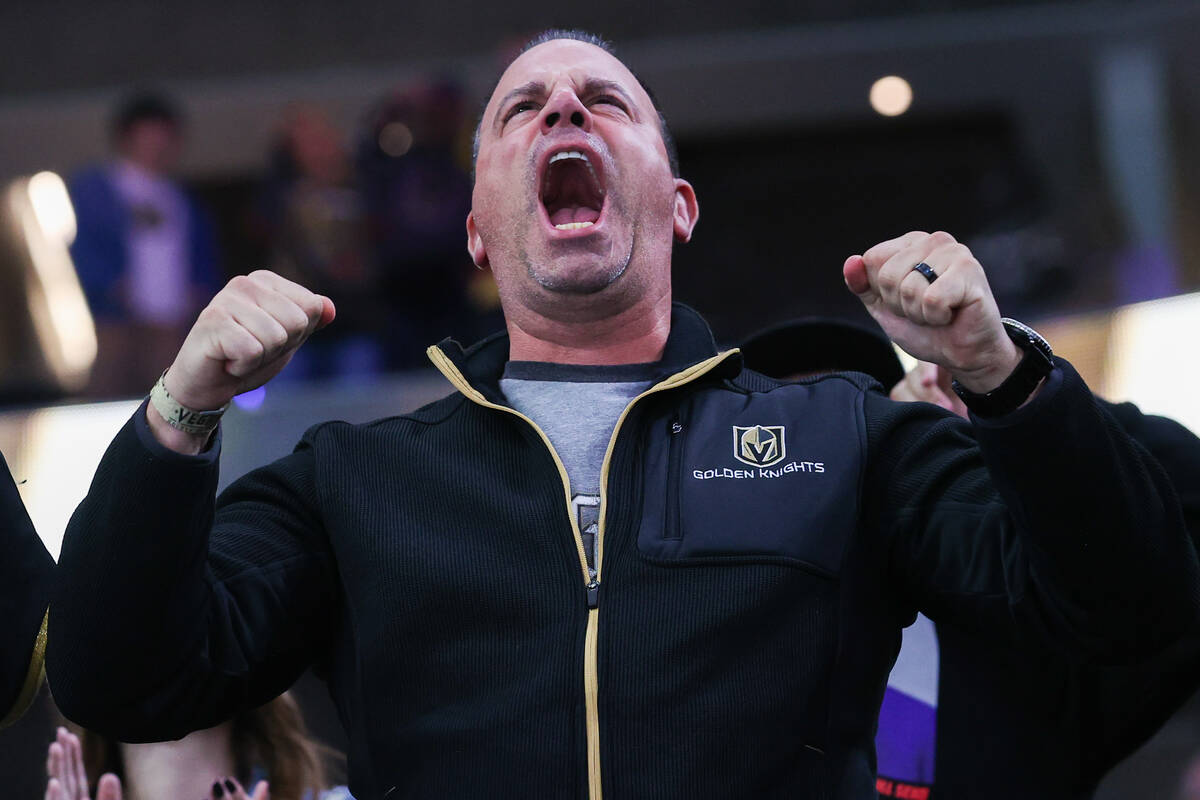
(517,108)
(612,100)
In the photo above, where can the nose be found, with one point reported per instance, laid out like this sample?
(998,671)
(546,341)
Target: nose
(563,108)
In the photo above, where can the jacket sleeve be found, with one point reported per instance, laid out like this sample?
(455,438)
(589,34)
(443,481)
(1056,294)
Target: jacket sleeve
(26,572)
(173,612)
(1125,706)
(1057,526)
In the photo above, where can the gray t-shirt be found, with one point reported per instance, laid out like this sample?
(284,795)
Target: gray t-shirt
(577,406)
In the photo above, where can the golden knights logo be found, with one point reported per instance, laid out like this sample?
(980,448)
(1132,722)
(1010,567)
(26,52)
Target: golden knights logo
(760,445)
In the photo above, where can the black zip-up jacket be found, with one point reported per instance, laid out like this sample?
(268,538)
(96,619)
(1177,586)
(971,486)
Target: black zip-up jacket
(26,571)
(761,545)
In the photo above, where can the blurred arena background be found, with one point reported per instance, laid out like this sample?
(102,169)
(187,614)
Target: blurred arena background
(1060,140)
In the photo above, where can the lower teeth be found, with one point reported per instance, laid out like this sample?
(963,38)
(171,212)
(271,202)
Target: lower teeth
(571,226)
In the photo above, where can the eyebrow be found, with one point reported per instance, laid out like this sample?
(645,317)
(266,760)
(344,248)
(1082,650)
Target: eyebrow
(597,85)
(528,89)
(590,87)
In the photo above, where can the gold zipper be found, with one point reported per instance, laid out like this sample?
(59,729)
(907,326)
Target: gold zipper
(447,368)
(591,683)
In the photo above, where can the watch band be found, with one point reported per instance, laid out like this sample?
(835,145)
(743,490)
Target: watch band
(179,416)
(1036,364)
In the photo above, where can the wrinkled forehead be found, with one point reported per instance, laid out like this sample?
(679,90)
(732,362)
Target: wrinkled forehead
(566,60)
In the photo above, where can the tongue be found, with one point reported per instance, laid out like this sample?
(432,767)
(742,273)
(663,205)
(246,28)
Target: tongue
(574,214)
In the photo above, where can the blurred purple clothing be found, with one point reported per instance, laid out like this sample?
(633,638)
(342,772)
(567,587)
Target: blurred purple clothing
(907,738)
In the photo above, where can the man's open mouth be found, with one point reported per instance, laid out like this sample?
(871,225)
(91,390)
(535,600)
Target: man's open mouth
(572,191)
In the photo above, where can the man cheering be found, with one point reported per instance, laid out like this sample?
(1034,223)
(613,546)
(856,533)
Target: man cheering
(612,562)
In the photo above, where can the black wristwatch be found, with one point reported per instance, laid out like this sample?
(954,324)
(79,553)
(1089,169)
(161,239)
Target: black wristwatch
(1008,396)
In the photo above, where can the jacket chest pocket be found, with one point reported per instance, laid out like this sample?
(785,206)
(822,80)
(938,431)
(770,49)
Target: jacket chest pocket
(770,478)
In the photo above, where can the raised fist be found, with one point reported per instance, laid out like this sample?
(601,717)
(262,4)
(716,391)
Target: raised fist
(245,336)
(930,295)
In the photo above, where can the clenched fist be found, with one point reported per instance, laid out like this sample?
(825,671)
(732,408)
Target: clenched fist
(241,340)
(951,321)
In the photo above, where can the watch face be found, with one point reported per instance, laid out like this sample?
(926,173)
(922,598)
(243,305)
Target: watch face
(1026,337)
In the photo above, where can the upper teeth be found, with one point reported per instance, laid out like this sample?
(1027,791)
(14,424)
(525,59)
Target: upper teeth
(570,154)
(573,154)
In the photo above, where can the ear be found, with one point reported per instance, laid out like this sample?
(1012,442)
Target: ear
(475,243)
(687,210)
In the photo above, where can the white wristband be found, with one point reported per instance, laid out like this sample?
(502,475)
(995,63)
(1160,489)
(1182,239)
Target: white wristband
(180,417)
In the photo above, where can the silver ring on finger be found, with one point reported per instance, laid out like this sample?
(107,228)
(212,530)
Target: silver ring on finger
(926,271)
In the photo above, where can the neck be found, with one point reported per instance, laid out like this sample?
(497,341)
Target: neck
(634,335)
(186,768)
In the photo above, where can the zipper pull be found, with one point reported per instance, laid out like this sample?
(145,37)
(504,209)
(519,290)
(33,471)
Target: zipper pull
(593,594)
(675,427)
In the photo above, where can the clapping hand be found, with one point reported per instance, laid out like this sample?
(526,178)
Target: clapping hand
(67,777)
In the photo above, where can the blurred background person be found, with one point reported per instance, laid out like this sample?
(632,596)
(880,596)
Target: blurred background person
(1190,785)
(26,571)
(314,223)
(269,746)
(418,194)
(144,251)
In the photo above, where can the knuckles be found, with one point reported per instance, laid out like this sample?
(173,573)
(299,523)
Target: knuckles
(297,324)
(244,353)
(941,239)
(313,307)
(888,282)
(213,315)
(934,306)
(910,291)
(278,338)
(239,284)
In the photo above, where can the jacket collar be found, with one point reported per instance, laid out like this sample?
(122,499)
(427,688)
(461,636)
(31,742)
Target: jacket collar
(689,342)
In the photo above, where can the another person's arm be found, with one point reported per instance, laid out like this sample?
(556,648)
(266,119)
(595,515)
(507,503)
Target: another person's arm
(1049,526)
(1121,707)
(26,573)
(1128,705)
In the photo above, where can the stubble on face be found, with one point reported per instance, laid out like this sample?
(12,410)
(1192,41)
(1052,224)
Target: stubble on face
(580,273)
